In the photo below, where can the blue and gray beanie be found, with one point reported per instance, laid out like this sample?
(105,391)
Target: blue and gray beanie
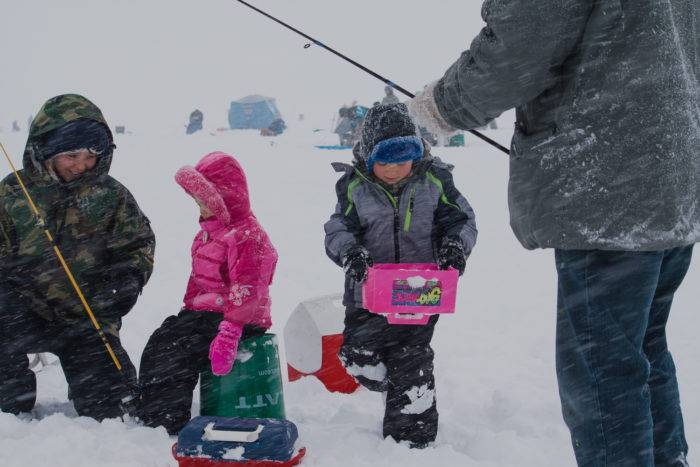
(389,136)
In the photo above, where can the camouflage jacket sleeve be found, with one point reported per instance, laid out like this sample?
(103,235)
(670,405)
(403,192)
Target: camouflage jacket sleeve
(132,243)
(7,247)
(6,236)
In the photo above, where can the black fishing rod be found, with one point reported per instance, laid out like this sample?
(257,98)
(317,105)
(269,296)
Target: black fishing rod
(363,68)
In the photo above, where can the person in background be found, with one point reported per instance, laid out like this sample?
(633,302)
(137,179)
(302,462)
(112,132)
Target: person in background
(389,97)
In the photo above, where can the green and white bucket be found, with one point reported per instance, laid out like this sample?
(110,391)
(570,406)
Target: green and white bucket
(253,388)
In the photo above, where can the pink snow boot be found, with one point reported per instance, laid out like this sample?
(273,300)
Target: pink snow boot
(222,351)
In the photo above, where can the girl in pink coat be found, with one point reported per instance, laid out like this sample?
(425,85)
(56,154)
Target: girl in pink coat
(227,295)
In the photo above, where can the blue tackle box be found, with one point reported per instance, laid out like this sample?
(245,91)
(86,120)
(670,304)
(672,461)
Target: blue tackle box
(224,441)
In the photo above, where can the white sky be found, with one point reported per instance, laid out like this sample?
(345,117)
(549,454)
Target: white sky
(147,64)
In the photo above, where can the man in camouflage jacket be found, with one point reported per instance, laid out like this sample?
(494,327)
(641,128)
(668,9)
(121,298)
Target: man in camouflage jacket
(105,239)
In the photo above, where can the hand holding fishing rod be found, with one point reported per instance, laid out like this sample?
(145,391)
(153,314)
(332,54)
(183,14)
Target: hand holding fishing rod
(422,108)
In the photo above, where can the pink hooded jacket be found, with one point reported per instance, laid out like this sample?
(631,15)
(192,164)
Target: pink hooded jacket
(233,260)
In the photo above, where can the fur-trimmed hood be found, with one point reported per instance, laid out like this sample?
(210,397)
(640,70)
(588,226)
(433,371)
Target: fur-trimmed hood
(218,181)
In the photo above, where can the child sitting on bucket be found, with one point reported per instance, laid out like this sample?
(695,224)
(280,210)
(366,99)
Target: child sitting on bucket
(227,299)
(396,204)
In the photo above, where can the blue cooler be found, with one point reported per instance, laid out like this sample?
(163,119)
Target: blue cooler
(222,441)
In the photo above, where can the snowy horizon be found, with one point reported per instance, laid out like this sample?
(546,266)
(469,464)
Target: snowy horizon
(147,65)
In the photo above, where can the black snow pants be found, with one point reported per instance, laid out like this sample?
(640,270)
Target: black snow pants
(397,359)
(176,353)
(94,383)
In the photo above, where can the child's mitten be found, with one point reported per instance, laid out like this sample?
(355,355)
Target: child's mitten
(356,263)
(222,351)
(451,254)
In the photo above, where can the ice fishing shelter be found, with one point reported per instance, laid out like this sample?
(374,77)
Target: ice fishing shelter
(252,112)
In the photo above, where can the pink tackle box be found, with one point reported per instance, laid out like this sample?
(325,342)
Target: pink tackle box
(408,293)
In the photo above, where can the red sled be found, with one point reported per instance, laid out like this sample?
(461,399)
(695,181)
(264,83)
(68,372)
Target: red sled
(204,462)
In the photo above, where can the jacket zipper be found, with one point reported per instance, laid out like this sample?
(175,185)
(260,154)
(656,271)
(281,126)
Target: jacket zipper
(397,248)
(409,211)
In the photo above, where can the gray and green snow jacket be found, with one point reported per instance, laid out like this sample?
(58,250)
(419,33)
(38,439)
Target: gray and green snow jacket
(606,150)
(403,228)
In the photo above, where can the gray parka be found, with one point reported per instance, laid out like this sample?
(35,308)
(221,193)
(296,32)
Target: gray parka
(403,228)
(606,150)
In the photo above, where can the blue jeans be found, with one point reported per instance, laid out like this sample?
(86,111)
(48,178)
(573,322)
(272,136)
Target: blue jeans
(617,380)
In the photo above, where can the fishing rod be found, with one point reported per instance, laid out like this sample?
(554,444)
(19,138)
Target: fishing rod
(363,68)
(128,401)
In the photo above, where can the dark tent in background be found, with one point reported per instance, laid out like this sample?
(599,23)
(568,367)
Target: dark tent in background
(253,112)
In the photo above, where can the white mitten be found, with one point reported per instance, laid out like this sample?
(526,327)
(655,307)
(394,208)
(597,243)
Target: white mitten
(424,112)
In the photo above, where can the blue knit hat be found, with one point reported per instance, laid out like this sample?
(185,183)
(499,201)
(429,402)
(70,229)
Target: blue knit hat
(389,136)
(396,150)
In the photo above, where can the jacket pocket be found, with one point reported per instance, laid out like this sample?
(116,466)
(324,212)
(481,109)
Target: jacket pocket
(526,144)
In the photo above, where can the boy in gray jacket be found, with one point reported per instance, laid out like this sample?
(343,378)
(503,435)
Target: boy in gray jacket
(396,204)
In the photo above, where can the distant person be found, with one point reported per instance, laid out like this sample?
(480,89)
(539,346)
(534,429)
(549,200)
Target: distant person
(345,129)
(275,128)
(390,97)
(196,122)
(15,126)
(396,204)
(105,239)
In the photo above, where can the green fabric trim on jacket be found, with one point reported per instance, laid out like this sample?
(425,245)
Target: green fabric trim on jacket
(438,183)
(391,197)
(351,187)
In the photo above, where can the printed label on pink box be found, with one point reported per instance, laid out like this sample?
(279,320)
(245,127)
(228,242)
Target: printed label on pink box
(405,294)
(409,293)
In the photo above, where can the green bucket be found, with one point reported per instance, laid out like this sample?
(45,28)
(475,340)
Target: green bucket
(253,388)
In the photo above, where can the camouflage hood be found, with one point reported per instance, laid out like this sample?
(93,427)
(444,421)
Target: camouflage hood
(100,229)
(55,113)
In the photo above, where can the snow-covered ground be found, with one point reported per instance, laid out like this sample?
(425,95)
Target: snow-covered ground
(496,386)
(148,64)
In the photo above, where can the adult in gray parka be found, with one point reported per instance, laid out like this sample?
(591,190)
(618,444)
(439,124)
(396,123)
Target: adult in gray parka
(605,169)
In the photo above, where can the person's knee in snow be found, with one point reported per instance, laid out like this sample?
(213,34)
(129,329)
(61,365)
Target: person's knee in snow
(365,366)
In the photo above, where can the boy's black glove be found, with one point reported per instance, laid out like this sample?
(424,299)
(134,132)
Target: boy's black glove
(356,262)
(451,254)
